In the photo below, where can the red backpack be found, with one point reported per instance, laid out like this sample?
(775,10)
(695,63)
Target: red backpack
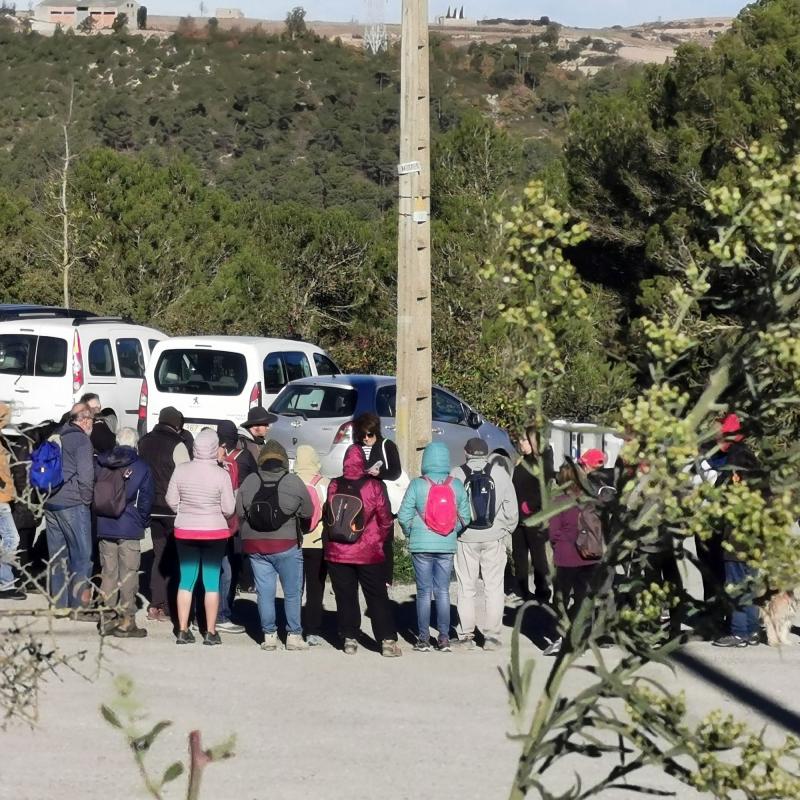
(231,466)
(441,514)
(316,514)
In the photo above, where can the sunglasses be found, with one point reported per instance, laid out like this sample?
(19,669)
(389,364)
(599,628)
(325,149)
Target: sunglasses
(370,435)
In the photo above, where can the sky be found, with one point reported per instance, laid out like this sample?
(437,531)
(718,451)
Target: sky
(579,13)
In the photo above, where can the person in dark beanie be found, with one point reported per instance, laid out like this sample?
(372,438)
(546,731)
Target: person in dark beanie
(254,431)
(239,464)
(270,506)
(162,450)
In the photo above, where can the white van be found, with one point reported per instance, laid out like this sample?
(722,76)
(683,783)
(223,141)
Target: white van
(214,378)
(49,357)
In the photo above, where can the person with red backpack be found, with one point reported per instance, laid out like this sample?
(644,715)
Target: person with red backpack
(307,467)
(357,521)
(435,509)
(239,464)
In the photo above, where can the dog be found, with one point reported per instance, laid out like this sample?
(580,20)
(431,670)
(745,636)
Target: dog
(778,612)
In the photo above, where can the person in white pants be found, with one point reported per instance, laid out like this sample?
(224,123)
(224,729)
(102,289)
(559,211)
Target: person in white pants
(481,550)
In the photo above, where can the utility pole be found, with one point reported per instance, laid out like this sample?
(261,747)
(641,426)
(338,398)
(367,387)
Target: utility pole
(413,408)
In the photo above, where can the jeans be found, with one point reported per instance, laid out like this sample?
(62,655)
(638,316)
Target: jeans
(9,541)
(432,572)
(225,586)
(69,543)
(288,566)
(744,617)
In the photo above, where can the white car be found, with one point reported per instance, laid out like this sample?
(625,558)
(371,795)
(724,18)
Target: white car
(49,357)
(214,378)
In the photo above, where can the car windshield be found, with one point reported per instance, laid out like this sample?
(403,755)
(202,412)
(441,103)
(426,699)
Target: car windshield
(201,372)
(313,402)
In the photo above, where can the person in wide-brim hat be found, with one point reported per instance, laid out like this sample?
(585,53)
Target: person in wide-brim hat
(253,432)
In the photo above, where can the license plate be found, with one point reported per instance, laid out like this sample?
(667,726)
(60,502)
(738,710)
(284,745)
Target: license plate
(195,427)
(291,465)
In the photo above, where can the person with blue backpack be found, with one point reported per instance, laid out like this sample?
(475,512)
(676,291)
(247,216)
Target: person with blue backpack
(64,468)
(435,509)
(481,551)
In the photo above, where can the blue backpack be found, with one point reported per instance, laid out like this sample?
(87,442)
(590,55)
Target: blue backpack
(47,472)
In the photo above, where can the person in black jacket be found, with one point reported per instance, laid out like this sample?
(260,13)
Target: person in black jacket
(383,463)
(162,450)
(531,540)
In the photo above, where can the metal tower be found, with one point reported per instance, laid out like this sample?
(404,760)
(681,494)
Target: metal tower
(375,36)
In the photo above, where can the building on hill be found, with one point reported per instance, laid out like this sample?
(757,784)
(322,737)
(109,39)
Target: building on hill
(455,19)
(229,13)
(71,14)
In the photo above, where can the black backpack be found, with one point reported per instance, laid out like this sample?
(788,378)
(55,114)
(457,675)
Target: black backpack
(482,496)
(343,517)
(265,514)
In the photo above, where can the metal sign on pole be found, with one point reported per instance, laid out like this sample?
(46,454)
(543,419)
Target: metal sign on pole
(413,409)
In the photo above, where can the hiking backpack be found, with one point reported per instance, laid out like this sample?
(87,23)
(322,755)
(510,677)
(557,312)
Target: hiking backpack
(440,514)
(47,469)
(316,514)
(265,514)
(589,542)
(482,496)
(110,492)
(231,466)
(344,512)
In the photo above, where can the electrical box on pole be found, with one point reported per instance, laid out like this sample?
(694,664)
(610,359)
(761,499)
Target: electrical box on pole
(413,409)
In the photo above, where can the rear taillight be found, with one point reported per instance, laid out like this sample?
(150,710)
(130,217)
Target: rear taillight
(77,364)
(344,434)
(143,395)
(255,395)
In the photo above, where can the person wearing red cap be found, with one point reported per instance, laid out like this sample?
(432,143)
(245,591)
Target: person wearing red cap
(592,459)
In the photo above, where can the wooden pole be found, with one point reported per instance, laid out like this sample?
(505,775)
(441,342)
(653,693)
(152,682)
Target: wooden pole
(413,409)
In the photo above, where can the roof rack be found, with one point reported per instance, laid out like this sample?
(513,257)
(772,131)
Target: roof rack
(94,318)
(20,311)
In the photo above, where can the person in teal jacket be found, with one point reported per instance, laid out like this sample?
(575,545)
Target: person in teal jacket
(432,553)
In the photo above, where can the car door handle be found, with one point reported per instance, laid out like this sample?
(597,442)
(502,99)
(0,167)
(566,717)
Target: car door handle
(437,430)
(390,427)
(22,391)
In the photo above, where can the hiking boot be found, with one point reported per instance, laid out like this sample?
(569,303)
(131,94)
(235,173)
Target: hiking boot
(314,641)
(443,644)
(184,637)
(294,641)
(230,627)
(106,627)
(157,615)
(212,639)
(463,644)
(491,643)
(422,645)
(12,593)
(390,648)
(350,647)
(271,641)
(553,649)
(128,630)
(754,639)
(730,641)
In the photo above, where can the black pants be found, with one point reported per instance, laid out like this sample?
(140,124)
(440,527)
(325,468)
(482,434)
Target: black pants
(527,541)
(662,568)
(316,570)
(164,573)
(572,585)
(711,556)
(388,558)
(372,578)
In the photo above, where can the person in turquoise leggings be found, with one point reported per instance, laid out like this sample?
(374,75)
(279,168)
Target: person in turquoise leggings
(201,495)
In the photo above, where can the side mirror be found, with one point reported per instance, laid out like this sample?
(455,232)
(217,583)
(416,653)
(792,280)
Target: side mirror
(474,420)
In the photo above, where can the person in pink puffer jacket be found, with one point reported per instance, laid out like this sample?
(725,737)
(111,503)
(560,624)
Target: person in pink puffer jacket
(201,495)
(362,562)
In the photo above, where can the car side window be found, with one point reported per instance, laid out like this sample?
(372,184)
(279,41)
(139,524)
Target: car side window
(447,408)
(274,373)
(51,357)
(101,359)
(386,401)
(130,358)
(325,366)
(296,366)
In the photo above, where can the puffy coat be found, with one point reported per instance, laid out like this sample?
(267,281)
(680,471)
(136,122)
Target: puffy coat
(377,514)
(201,494)
(139,494)
(7,492)
(435,467)
(77,459)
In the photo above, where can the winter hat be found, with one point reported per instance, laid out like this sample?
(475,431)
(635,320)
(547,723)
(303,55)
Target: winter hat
(228,436)
(730,424)
(306,464)
(273,451)
(593,459)
(476,447)
(171,416)
(259,416)
(206,445)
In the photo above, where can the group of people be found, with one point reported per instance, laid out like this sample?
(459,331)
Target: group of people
(226,510)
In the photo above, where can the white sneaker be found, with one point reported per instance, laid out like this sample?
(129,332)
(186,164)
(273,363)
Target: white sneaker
(271,641)
(230,627)
(553,649)
(294,641)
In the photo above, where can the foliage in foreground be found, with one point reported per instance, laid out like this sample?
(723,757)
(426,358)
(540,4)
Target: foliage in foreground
(623,714)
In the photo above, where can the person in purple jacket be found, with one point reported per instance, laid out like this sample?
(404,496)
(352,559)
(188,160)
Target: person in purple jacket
(574,573)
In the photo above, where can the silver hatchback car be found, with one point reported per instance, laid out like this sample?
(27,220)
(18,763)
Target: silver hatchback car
(319,411)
